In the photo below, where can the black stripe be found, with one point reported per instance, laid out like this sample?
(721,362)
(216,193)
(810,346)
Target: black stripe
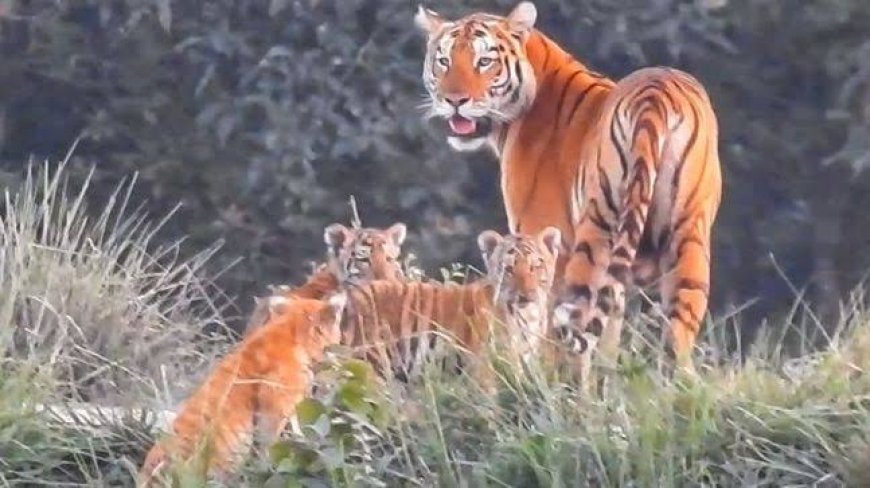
(596,218)
(585,248)
(614,138)
(684,242)
(691,142)
(580,99)
(607,190)
(579,292)
(695,285)
(565,89)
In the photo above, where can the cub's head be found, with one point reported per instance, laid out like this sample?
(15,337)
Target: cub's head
(358,256)
(476,71)
(521,267)
(321,319)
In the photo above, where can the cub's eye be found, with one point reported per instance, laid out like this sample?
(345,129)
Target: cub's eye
(443,61)
(484,62)
(362,253)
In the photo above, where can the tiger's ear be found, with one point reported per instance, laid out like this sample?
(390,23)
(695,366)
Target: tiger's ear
(336,235)
(428,21)
(397,233)
(523,16)
(487,241)
(551,238)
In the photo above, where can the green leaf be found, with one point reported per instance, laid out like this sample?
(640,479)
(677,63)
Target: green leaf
(308,411)
(280,450)
(359,370)
(352,396)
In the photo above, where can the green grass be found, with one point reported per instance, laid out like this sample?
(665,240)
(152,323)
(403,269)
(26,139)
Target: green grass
(92,310)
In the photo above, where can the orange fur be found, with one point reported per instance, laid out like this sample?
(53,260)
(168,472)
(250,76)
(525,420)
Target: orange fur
(354,256)
(253,391)
(391,318)
(628,171)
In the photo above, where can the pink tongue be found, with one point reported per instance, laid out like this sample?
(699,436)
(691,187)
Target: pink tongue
(461,125)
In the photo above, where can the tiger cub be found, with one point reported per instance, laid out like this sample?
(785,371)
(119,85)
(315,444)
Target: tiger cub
(353,256)
(252,392)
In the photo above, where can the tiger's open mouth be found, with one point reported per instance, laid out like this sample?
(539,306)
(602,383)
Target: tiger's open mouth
(469,128)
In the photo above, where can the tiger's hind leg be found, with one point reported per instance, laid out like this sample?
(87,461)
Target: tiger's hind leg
(629,231)
(685,289)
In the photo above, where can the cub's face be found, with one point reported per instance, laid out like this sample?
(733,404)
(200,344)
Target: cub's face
(521,266)
(358,256)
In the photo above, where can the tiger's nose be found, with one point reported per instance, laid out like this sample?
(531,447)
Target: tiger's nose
(456,100)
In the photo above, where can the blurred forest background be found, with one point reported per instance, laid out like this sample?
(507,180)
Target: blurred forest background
(263,116)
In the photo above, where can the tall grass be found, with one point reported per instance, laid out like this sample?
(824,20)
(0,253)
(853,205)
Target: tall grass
(92,310)
(773,421)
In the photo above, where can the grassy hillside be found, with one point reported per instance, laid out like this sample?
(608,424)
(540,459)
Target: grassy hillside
(92,312)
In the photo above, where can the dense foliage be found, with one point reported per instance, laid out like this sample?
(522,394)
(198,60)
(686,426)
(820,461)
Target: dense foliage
(263,116)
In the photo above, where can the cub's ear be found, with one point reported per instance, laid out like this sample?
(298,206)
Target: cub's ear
(337,301)
(330,317)
(428,21)
(523,16)
(397,233)
(487,241)
(335,236)
(551,238)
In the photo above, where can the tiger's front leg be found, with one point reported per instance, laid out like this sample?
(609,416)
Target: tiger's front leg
(590,312)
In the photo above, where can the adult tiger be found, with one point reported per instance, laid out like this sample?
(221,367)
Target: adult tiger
(353,256)
(628,170)
(394,325)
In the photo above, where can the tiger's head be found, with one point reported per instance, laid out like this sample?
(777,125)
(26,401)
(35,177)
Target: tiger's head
(358,256)
(521,268)
(476,71)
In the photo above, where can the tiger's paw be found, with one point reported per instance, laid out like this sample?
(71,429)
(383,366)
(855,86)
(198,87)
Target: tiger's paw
(569,332)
